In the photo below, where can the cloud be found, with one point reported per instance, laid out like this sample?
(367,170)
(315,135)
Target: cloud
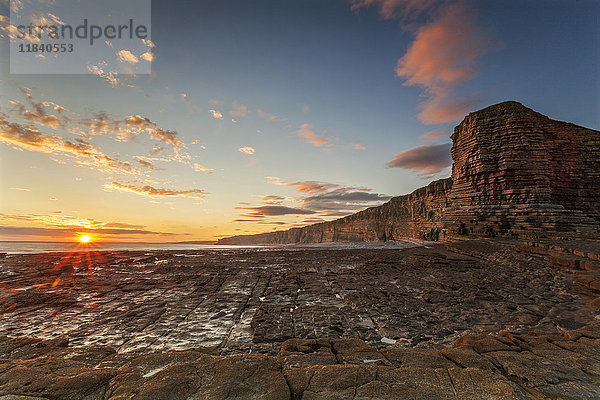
(62,232)
(149,43)
(201,168)
(148,190)
(166,136)
(309,186)
(239,110)
(20,189)
(271,210)
(331,196)
(122,225)
(58,222)
(146,164)
(139,121)
(359,146)
(216,114)
(128,127)
(111,77)
(147,56)
(269,117)
(427,159)
(38,115)
(83,152)
(127,56)
(184,98)
(272,199)
(247,150)
(442,57)
(389,9)
(216,102)
(344,198)
(434,134)
(307,132)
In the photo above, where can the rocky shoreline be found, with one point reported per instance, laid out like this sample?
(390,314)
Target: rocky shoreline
(481,319)
(515,173)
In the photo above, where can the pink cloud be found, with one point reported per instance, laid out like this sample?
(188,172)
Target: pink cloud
(390,9)
(307,132)
(427,160)
(442,57)
(434,134)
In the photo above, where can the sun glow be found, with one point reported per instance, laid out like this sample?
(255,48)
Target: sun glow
(84,239)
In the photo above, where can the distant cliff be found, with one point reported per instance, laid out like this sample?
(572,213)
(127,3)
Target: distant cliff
(515,173)
(415,215)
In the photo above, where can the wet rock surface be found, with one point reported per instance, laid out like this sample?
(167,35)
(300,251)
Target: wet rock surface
(503,365)
(476,319)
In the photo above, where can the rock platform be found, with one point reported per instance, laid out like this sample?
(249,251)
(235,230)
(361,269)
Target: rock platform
(475,319)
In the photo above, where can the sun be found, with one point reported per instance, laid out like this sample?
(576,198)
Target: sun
(84,239)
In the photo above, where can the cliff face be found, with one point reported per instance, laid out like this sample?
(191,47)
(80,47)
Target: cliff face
(415,215)
(518,173)
(515,173)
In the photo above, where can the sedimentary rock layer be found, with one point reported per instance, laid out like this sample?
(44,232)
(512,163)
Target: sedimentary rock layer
(476,319)
(505,366)
(415,215)
(516,173)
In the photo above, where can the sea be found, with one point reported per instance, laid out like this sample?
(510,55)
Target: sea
(45,247)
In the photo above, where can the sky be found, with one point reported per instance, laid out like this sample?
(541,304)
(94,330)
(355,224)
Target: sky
(265,115)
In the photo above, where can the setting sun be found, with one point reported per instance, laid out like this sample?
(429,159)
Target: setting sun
(85,238)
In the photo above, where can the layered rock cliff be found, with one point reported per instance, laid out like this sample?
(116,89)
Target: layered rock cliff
(515,173)
(518,173)
(415,215)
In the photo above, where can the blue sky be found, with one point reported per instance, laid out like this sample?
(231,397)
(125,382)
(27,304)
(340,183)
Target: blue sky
(315,99)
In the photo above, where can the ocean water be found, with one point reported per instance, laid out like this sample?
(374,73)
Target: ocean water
(44,247)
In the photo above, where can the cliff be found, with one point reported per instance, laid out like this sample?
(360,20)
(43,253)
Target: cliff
(519,173)
(415,215)
(515,173)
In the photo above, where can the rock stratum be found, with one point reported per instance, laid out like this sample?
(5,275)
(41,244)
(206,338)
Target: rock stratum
(485,319)
(516,173)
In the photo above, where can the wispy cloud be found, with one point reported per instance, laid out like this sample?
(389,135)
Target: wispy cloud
(304,186)
(389,9)
(427,159)
(216,114)
(307,132)
(331,196)
(151,191)
(344,198)
(58,224)
(269,117)
(66,232)
(247,150)
(147,56)
(184,97)
(201,168)
(145,164)
(269,211)
(127,56)
(238,110)
(109,76)
(435,135)
(442,55)
(441,58)
(82,151)
(321,199)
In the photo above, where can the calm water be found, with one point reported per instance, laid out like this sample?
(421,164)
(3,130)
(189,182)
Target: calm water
(43,247)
